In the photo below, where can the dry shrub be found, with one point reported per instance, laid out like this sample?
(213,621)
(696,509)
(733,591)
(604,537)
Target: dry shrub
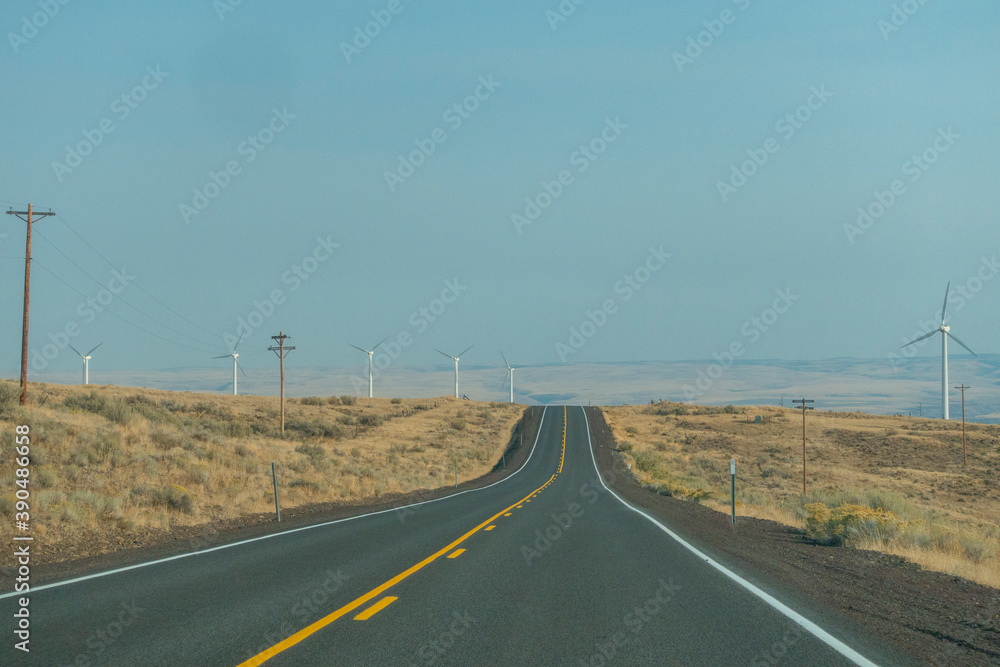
(849,522)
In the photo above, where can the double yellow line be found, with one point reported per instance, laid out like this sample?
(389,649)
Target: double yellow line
(285,644)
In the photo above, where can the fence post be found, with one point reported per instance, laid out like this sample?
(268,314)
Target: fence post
(732,473)
(277,505)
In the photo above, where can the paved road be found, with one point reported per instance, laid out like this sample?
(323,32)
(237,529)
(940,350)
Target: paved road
(545,568)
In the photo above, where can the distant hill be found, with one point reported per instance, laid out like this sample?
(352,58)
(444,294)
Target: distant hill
(879,386)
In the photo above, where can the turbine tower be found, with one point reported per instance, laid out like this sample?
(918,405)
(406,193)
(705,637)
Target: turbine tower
(236,364)
(456,365)
(510,374)
(86,361)
(945,332)
(369,353)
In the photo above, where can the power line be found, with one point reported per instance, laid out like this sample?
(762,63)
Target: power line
(121,298)
(111,312)
(134,284)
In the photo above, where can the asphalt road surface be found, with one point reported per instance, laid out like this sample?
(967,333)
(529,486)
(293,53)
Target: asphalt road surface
(547,567)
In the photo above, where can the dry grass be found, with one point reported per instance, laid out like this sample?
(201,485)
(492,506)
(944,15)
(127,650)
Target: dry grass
(114,465)
(934,511)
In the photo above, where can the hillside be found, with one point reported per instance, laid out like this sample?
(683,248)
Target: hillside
(888,385)
(894,484)
(116,467)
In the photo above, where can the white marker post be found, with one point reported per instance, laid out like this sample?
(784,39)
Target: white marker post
(732,473)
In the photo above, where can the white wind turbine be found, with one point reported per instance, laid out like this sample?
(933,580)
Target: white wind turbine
(456,358)
(510,374)
(945,332)
(370,353)
(236,364)
(86,361)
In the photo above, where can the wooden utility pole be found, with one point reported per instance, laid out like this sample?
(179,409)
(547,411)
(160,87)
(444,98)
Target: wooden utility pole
(281,351)
(964,448)
(27,217)
(803,407)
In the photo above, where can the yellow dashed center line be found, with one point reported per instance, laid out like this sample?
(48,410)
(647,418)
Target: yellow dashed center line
(489,527)
(375,608)
(291,641)
(456,554)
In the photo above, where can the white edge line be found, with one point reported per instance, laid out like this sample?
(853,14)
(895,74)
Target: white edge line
(809,626)
(136,566)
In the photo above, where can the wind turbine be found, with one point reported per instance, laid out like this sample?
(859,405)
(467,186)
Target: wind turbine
(369,353)
(456,365)
(86,361)
(945,332)
(236,364)
(510,374)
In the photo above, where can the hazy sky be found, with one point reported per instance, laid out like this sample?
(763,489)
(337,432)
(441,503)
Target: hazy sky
(710,154)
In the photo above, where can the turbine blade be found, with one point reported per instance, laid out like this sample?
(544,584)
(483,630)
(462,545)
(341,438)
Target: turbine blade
(238,342)
(917,340)
(223,356)
(358,348)
(944,308)
(459,355)
(504,384)
(95,347)
(447,355)
(375,347)
(240,367)
(504,360)
(74,349)
(955,338)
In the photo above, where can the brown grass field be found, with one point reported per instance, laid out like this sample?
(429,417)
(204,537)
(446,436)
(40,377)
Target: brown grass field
(114,467)
(892,484)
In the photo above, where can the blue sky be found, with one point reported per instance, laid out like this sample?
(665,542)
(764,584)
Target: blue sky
(345,121)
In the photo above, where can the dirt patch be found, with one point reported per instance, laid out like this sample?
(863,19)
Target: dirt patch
(935,618)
